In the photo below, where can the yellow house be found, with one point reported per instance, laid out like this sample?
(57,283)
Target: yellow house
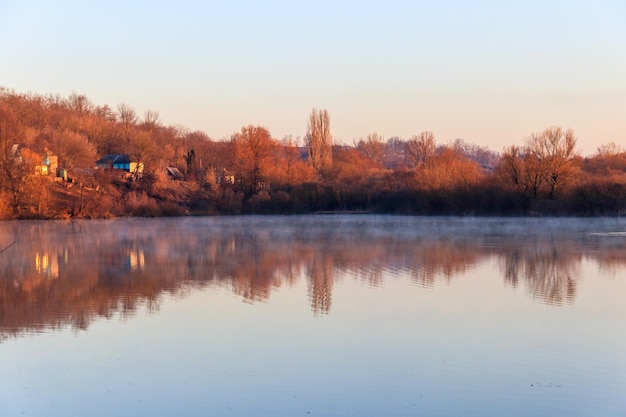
(49,164)
(43,166)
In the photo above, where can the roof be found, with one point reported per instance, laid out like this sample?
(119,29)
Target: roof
(114,159)
(174,172)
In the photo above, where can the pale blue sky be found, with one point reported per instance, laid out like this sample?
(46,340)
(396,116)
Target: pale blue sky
(489,72)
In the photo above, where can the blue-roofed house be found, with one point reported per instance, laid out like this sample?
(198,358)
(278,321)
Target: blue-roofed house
(119,161)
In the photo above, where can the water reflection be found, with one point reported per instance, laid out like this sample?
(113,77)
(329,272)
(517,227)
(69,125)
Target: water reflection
(548,268)
(69,273)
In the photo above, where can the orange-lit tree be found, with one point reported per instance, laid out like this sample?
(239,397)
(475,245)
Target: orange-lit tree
(252,149)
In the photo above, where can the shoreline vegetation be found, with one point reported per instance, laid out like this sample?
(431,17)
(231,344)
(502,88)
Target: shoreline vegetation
(53,148)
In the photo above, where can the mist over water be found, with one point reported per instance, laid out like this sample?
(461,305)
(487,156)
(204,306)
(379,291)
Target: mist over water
(341,315)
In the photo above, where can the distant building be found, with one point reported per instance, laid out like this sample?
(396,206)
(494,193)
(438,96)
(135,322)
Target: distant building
(63,173)
(122,162)
(46,165)
(174,174)
(49,164)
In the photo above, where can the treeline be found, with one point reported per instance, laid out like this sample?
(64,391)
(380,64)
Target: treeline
(253,172)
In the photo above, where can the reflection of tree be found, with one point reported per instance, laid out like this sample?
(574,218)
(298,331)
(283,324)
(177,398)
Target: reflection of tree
(610,254)
(549,269)
(254,278)
(68,274)
(321,280)
(442,258)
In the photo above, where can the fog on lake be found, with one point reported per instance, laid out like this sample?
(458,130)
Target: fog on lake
(314,315)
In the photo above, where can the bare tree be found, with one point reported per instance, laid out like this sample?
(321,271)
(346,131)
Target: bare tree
(151,119)
(127,119)
(546,161)
(420,148)
(608,150)
(126,114)
(372,147)
(79,103)
(512,166)
(319,141)
(73,149)
(522,170)
(105,113)
(553,150)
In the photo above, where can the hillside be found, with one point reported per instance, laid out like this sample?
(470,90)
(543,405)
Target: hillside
(53,153)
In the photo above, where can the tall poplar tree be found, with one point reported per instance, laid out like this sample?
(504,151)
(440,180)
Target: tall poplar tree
(319,141)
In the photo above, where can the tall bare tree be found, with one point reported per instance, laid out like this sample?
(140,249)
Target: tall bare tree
(127,118)
(319,141)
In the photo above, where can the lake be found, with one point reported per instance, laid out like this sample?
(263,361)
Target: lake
(322,315)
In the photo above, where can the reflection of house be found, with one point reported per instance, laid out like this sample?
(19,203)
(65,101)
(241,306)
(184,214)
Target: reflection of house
(122,261)
(136,260)
(174,174)
(119,161)
(47,265)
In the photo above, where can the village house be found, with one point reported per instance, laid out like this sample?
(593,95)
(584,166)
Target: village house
(122,162)
(46,165)
(49,164)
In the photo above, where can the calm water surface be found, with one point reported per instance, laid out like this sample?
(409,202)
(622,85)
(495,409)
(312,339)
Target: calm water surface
(313,316)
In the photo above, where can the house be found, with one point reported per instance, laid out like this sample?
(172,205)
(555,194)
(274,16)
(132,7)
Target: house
(46,165)
(49,164)
(122,162)
(174,174)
